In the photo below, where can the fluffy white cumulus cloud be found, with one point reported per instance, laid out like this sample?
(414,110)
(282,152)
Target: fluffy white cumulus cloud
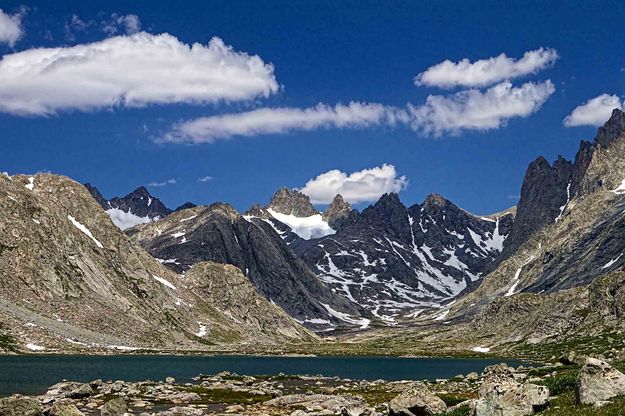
(284,120)
(131,71)
(10,27)
(485,72)
(478,110)
(594,112)
(355,187)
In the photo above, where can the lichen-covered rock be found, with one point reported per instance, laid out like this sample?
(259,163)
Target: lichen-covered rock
(114,407)
(20,406)
(501,394)
(64,407)
(598,381)
(416,401)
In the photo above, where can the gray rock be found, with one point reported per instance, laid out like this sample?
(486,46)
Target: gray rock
(598,381)
(82,391)
(501,394)
(19,406)
(65,407)
(416,401)
(114,407)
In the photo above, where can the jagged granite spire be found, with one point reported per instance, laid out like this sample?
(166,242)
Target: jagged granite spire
(337,211)
(545,189)
(612,129)
(292,202)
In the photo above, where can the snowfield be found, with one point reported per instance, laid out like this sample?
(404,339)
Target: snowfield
(306,227)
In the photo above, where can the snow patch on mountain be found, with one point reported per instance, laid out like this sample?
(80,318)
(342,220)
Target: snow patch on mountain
(85,230)
(124,219)
(307,228)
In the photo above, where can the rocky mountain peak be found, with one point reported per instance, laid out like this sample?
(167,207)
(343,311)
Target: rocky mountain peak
(140,203)
(292,202)
(435,200)
(337,211)
(612,129)
(140,192)
(546,189)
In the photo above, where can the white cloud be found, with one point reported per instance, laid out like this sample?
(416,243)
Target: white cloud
(11,27)
(283,120)
(477,110)
(131,71)
(129,24)
(594,112)
(360,186)
(205,179)
(171,181)
(484,72)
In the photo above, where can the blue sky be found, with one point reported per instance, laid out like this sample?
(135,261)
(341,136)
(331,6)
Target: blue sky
(321,52)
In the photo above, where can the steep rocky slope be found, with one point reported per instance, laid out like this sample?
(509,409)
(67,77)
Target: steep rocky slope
(219,233)
(565,280)
(399,261)
(70,279)
(394,261)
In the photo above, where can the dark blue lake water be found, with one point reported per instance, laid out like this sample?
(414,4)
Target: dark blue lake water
(33,374)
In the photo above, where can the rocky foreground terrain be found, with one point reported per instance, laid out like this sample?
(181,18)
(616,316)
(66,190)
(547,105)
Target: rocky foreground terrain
(574,386)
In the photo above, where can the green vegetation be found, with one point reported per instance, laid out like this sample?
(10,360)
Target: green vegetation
(374,397)
(461,411)
(561,383)
(7,343)
(564,405)
(589,345)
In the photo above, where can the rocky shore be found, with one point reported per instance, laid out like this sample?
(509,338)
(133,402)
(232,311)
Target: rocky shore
(574,386)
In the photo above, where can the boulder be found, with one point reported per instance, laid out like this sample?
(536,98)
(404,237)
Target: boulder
(82,391)
(598,381)
(19,406)
(571,358)
(418,400)
(501,394)
(114,407)
(64,407)
(322,402)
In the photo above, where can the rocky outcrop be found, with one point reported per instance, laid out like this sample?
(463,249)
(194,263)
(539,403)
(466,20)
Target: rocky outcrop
(598,381)
(218,233)
(292,202)
(546,190)
(337,212)
(416,401)
(64,407)
(501,394)
(114,407)
(20,406)
(331,404)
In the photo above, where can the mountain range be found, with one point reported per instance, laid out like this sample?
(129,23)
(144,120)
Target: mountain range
(81,271)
